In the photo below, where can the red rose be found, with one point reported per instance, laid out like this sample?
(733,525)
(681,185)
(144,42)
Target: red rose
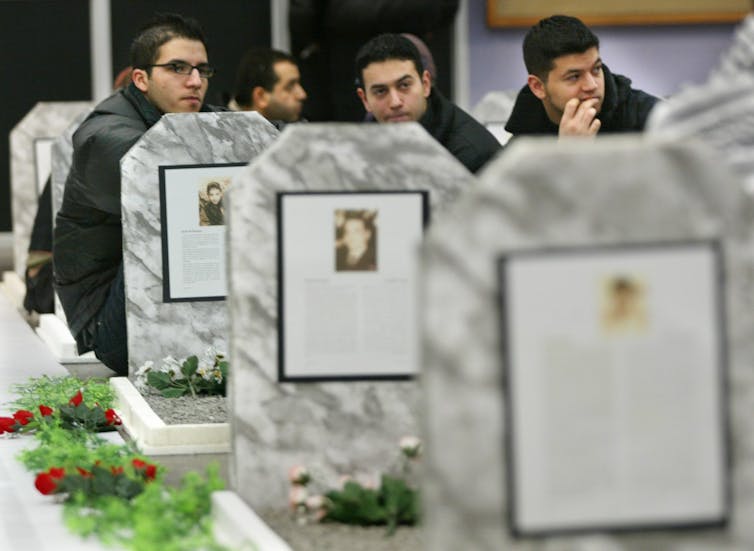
(77,399)
(151,472)
(111,418)
(56,472)
(84,473)
(45,484)
(116,470)
(138,463)
(23,416)
(7,424)
(45,411)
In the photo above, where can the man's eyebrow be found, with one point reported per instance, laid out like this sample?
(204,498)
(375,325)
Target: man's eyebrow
(396,81)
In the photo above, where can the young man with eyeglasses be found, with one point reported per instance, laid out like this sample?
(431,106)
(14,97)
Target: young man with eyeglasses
(170,75)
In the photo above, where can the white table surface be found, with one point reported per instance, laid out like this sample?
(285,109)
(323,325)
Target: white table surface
(29,521)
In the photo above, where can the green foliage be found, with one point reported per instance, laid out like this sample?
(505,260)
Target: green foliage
(158,519)
(55,391)
(59,447)
(120,508)
(393,503)
(193,377)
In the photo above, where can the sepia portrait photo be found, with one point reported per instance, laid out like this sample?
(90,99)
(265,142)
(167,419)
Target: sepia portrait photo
(211,207)
(355,240)
(624,307)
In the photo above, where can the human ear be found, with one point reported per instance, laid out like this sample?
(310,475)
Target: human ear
(363,97)
(536,86)
(259,98)
(426,83)
(140,79)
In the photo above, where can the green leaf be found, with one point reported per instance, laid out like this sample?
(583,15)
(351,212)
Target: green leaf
(174,392)
(190,365)
(158,379)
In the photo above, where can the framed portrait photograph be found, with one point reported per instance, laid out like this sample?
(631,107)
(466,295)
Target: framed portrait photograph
(615,368)
(346,284)
(192,211)
(42,161)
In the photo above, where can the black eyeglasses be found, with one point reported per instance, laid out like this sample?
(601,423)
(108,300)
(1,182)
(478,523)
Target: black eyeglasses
(183,68)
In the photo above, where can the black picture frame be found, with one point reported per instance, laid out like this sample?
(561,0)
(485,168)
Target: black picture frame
(283,376)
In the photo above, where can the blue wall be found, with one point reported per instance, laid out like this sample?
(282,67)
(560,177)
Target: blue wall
(659,59)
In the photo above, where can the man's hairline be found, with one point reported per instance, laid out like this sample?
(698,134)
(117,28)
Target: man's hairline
(364,68)
(552,62)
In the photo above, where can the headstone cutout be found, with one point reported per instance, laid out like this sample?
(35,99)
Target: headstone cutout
(719,112)
(493,111)
(30,142)
(192,142)
(344,329)
(576,328)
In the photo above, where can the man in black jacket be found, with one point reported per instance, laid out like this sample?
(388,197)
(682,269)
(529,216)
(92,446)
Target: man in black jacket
(394,87)
(569,91)
(170,75)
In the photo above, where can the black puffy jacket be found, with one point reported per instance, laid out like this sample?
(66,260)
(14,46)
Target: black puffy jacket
(623,110)
(87,244)
(469,142)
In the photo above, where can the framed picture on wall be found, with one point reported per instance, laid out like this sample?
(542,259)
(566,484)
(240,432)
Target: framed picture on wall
(524,13)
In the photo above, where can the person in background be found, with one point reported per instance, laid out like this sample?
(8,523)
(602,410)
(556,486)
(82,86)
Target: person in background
(326,33)
(170,74)
(394,87)
(569,90)
(268,81)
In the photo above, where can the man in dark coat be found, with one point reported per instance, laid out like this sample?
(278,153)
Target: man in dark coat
(569,91)
(170,75)
(394,87)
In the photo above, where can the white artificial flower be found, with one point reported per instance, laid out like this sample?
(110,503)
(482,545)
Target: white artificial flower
(410,446)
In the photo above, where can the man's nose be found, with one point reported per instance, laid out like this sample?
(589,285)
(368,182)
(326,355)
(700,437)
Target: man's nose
(300,92)
(590,82)
(194,80)
(395,98)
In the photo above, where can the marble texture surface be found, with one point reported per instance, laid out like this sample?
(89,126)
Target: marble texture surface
(719,112)
(155,328)
(495,106)
(334,428)
(60,165)
(62,157)
(544,194)
(45,120)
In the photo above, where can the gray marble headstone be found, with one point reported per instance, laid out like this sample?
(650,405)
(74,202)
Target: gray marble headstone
(542,195)
(334,428)
(493,111)
(721,111)
(62,157)
(46,120)
(155,328)
(495,106)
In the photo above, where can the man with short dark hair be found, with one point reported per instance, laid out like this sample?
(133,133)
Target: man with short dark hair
(170,75)
(569,90)
(394,87)
(268,81)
